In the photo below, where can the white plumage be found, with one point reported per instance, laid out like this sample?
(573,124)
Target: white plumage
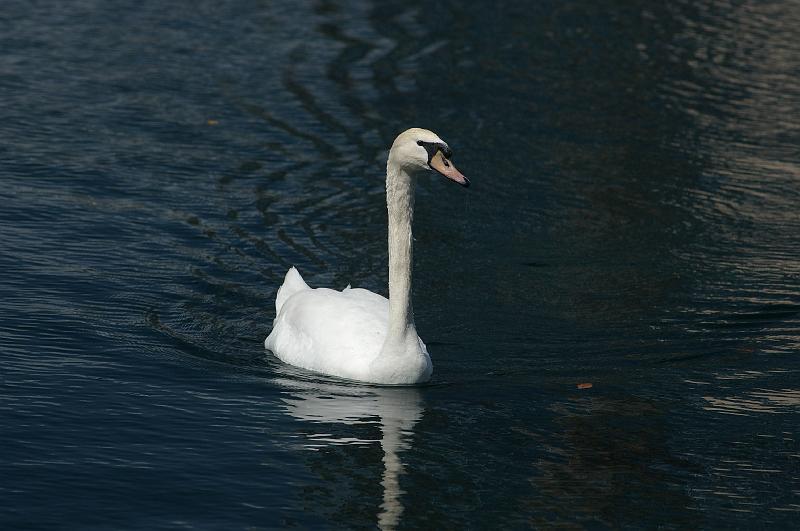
(354,333)
(331,332)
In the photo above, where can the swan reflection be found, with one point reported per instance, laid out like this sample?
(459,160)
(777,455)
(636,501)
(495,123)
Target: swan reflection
(394,409)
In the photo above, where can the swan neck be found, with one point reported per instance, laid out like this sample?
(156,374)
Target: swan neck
(400,206)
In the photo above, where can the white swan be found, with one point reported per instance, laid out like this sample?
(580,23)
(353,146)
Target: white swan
(354,333)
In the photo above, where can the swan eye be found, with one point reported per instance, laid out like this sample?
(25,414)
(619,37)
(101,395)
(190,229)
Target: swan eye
(433,147)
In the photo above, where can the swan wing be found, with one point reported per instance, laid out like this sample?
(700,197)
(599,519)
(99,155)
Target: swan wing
(329,331)
(292,283)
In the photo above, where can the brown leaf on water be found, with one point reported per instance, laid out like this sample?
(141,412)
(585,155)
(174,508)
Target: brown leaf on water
(584,386)
(211,121)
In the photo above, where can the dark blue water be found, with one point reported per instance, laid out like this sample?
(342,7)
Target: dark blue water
(633,224)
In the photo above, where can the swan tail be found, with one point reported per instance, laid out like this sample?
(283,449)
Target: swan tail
(291,285)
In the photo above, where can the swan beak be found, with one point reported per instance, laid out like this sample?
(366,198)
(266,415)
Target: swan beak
(446,167)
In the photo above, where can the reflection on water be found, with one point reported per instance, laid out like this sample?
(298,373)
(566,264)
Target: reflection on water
(764,401)
(326,407)
(636,227)
(593,470)
(751,399)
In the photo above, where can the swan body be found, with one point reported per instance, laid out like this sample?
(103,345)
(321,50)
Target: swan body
(340,333)
(354,333)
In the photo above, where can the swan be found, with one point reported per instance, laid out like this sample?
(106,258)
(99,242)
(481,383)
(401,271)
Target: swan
(354,333)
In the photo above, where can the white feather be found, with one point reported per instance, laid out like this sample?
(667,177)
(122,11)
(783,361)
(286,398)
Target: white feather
(354,333)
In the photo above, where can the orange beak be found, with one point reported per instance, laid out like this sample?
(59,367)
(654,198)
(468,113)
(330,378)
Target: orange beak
(446,167)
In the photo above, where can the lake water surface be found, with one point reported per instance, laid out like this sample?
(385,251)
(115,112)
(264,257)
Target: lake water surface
(613,308)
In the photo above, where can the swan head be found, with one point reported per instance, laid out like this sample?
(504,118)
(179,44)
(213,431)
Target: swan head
(417,150)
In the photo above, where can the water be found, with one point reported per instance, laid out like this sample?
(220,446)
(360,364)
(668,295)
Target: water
(633,224)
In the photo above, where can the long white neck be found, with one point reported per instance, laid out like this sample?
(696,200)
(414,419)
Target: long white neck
(400,204)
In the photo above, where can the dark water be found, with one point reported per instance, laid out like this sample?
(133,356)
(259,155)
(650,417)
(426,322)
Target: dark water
(634,224)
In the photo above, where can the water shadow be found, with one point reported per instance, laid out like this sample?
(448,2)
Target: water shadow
(325,408)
